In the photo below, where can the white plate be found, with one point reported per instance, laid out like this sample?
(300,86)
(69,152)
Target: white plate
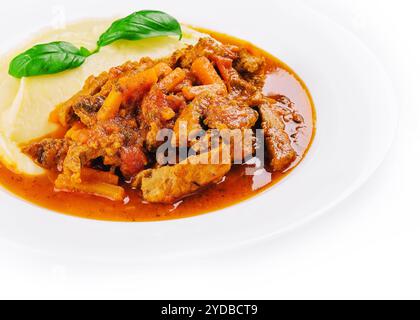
(356,125)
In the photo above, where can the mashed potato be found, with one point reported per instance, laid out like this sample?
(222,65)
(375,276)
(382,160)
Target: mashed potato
(25,104)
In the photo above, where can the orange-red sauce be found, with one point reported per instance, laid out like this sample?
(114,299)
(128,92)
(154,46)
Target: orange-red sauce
(235,188)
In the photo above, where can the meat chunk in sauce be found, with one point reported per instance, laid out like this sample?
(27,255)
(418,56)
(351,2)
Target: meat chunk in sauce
(206,47)
(225,114)
(49,153)
(249,64)
(189,124)
(171,183)
(278,143)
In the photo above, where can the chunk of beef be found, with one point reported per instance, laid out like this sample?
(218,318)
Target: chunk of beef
(49,153)
(241,143)
(76,157)
(278,143)
(228,114)
(238,86)
(206,47)
(188,125)
(86,109)
(249,64)
(169,184)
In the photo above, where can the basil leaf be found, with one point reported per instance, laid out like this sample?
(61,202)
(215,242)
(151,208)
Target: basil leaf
(48,58)
(141,25)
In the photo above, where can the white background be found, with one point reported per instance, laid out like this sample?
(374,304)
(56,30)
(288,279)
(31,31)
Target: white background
(367,247)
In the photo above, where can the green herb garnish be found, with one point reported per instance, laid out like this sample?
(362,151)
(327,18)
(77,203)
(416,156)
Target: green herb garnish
(141,25)
(56,57)
(47,58)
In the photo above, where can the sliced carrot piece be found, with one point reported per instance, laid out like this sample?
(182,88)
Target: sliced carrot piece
(162,69)
(203,69)
(91,175)
(100,189)
(111,106)
(55,116)
(169,83)
(225,66)
(138,83)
